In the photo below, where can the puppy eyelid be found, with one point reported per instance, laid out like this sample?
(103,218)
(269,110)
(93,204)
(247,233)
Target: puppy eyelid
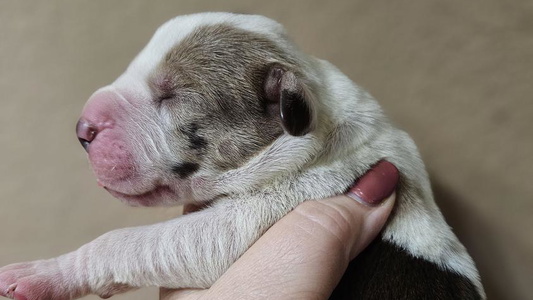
(166,96)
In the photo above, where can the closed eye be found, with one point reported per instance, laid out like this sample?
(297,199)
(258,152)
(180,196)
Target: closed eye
(166,97)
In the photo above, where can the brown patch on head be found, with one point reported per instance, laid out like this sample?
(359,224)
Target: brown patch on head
(214,78)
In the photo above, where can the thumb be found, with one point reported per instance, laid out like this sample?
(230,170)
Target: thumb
(357,222)
(376,188)
(308,250)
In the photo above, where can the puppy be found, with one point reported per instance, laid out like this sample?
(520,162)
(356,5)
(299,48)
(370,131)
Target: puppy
(223,109)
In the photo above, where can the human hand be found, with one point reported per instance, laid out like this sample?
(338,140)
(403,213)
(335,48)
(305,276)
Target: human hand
(305,254)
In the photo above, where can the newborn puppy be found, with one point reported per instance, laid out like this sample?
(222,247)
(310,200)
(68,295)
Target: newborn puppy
(223,109)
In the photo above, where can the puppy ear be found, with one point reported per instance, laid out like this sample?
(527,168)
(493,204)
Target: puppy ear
(285,89)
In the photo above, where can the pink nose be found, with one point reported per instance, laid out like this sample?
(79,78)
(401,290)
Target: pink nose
(86,133)
(98,114)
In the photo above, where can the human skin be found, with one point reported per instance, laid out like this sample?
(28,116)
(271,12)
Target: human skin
(304,255)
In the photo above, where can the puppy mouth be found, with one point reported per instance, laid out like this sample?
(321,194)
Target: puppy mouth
(152,197)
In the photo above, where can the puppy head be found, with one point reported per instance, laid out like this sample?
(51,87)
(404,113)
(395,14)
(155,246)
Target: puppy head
(206,95)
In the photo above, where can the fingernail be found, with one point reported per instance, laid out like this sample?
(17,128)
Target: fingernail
(376,185)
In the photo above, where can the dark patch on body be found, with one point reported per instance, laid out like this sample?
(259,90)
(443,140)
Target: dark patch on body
(185,169)
(215,77)
(196,142)
(385,271)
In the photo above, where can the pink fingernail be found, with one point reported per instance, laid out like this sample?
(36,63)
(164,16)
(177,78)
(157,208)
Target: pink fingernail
(376,185)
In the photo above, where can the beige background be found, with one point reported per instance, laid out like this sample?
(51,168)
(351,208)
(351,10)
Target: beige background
(457,75)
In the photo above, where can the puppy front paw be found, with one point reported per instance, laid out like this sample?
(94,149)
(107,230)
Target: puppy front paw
(37,280)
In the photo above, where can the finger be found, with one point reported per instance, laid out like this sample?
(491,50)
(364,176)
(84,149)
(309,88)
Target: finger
(377,184)
(343,218)
(354,224)
(374,221)
(306,252)
(371,221)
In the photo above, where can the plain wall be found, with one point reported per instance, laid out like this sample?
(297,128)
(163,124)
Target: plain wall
(457,75)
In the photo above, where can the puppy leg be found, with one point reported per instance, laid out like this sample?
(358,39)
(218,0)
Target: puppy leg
(190,251)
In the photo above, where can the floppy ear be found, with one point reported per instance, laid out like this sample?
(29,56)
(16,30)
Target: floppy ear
(283,87)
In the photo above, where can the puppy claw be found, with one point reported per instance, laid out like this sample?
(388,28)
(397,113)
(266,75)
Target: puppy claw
(10,292)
